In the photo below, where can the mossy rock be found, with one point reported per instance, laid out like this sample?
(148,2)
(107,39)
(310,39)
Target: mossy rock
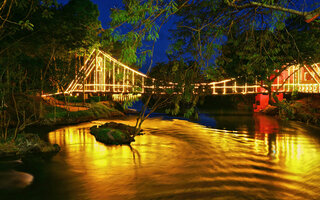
(113,133)
(110,136)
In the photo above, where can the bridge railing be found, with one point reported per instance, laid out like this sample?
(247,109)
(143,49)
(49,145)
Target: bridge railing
(104,74)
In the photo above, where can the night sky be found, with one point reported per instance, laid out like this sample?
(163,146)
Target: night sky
(160,46)
(163,42)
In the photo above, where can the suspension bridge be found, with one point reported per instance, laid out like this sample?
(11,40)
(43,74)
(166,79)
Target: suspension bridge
(103,74)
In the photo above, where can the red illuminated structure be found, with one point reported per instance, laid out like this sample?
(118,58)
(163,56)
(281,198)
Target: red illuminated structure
(303,79)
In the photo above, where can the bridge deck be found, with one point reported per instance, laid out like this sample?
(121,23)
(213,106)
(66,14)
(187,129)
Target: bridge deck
(101,73)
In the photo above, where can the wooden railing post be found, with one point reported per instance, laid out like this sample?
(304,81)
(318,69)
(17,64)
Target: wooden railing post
(132,82)
(123,80)
(113,77)
(142,84)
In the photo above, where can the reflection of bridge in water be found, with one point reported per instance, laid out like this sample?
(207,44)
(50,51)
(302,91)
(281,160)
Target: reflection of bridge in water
(103,74)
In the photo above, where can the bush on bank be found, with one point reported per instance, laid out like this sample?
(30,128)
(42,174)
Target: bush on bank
(26,143)
(300,111)
(305,110)
(96,111)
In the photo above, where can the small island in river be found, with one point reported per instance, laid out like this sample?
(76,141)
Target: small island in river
(114,133)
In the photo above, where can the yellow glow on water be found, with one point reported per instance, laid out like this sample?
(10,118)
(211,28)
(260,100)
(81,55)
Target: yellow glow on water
(174,153)
(113,164)
(295,153)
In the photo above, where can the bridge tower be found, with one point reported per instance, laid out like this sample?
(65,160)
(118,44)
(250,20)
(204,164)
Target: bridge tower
(103,74)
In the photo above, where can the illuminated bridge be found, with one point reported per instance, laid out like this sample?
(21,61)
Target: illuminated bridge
(101,73)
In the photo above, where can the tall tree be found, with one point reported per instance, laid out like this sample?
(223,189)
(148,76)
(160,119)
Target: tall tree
(33,59)
(203,26)
(283,6)
(265,54)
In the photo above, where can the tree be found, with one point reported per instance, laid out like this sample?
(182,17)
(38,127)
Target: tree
(181,81)
(136,22)
(206,25)
(202,28)
(136,26)
(21,10)
(265,54)
(282,6)
(34,58)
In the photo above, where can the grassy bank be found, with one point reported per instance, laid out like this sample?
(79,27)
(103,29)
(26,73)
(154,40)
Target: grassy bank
(26,143)
(60,116)
(306,109)
(14,141)
(53,116)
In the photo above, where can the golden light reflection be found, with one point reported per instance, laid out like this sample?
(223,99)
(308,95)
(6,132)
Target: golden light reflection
(114,165)
(176,154)
(290,148)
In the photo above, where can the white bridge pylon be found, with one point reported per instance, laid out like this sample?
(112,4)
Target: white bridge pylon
(103,73)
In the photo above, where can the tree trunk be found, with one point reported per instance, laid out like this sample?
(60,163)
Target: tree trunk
(275,98)
(270,97)
(18,117)
(269,89)
(41,92)
(141,117)
(3,123)
(6,129)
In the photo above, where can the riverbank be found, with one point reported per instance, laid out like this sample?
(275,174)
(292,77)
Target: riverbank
(305,109)
(31,143)
(26,143)
(60,116)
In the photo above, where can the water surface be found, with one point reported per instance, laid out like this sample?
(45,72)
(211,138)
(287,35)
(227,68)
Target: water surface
(244,157)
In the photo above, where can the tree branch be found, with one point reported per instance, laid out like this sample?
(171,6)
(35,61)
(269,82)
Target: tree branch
(309,16)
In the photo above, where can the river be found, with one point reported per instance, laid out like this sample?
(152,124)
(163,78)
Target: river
(241,157)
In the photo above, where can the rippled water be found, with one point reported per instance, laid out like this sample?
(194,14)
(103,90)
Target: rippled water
(243,158)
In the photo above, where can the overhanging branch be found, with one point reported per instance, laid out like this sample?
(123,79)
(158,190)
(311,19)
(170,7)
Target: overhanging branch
(309,16)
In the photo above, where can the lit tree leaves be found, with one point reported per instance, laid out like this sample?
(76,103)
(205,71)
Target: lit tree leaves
(264,54)
(137,23)
(26,25)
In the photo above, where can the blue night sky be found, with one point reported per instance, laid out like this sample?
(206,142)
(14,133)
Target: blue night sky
(163,42)
(160,46)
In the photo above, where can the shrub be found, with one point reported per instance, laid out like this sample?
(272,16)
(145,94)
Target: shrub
(95,99)
(294,94)
(286,111)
